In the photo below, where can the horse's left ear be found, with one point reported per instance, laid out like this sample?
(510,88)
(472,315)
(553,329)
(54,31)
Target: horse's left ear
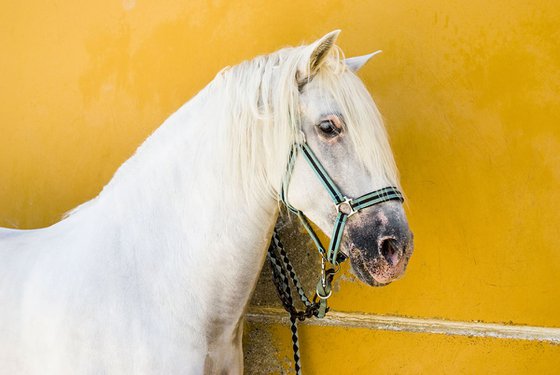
(315,55)
(355,63)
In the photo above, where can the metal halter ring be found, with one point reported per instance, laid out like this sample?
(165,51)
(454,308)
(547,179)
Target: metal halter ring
(320,296)
(345,207)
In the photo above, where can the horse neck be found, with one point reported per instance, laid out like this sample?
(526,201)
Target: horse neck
(172,211)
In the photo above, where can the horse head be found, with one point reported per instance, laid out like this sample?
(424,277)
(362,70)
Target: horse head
(345,141)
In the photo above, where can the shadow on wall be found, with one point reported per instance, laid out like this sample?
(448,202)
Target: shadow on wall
(262,354)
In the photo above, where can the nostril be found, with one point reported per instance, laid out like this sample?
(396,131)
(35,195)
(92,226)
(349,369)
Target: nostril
(390,250)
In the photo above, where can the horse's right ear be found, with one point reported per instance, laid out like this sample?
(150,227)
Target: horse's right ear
(315,55)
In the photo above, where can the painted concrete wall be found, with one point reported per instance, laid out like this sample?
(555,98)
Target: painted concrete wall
(470,95)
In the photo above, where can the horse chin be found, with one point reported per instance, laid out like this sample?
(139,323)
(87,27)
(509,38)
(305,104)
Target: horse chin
(374,271)
(360,270)
(367,278)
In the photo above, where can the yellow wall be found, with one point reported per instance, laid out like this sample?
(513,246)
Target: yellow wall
(470,94)
(326,350)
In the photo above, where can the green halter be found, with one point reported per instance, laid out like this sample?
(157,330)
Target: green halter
(345,206)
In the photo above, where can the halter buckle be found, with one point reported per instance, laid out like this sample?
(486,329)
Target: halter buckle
(345,207)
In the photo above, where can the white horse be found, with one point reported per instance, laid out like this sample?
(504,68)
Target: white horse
(153,276)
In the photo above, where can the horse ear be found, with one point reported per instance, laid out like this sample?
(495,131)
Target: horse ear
(315,55)
(355,63)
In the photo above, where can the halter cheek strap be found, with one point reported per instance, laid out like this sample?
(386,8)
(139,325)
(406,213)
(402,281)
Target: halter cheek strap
(345,206)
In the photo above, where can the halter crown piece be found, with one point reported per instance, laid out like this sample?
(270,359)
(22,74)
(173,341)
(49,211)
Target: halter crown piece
(282,270)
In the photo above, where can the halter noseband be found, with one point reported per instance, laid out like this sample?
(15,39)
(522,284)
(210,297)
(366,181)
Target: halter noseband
(345,206)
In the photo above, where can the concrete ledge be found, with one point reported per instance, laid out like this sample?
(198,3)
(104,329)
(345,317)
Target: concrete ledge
(397,323)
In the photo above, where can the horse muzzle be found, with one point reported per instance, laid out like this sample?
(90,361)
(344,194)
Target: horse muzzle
(379,243)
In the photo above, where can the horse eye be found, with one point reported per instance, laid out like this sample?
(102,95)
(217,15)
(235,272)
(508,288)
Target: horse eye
(328,127)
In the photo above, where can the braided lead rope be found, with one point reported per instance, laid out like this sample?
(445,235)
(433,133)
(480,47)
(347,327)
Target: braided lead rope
(282,274)
(280,282)
(295,344)
(288,266)
(284,292)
